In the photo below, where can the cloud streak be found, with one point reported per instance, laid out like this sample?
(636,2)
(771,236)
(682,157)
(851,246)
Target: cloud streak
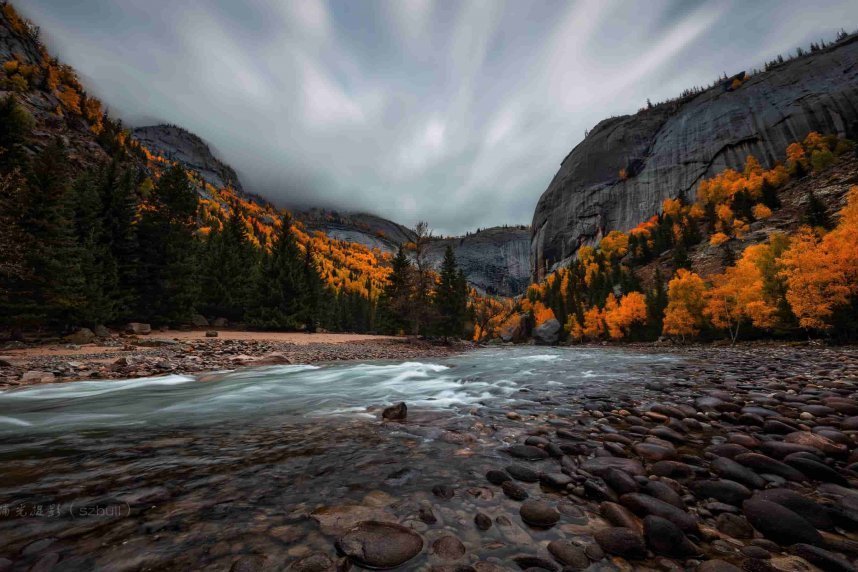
(455,112)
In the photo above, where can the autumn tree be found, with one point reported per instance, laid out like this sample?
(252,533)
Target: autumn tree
(686,301)
(622,317)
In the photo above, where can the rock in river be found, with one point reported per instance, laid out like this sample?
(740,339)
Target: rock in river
(396,412)
(539,513)
(380,545)
(780,524)
(623,542)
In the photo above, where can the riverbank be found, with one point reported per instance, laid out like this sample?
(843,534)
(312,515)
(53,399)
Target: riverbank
(190,352)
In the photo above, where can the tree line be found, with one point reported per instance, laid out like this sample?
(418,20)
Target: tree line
(114,242)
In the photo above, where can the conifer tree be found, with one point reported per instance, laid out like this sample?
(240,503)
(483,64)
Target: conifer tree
(168,250)
(277,301)
(229,260)
(451,297)
(396,297)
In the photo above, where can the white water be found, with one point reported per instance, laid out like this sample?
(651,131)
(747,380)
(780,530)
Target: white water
(485,378)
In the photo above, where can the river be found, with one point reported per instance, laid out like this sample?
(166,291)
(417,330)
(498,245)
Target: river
(180,472)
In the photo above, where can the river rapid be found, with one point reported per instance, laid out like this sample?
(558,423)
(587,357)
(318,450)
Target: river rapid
(188,473)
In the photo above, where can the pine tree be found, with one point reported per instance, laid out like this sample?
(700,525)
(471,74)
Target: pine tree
(168,250)
(450,297)
(277,301)
(313,290)
(228,262)
(816,214)
(656,302)
(98,269)
(119,203)
(394,302)
(16,124)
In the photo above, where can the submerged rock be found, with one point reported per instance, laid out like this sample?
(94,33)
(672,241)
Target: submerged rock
(380,545)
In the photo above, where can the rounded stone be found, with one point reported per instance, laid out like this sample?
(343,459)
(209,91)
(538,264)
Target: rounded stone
(539,513)
(448,547)
(380,545)
(623,542)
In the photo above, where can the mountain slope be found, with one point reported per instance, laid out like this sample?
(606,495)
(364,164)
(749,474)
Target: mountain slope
(177,144)
(618,176)
(495,260)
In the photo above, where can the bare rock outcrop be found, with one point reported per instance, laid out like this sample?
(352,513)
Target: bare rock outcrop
(666,150)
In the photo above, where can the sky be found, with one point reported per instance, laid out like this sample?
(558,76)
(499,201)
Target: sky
(454,112)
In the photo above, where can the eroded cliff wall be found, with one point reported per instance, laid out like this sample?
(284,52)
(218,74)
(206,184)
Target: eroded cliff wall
(668,149)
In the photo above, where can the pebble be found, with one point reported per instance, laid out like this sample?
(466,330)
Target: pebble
(380,544)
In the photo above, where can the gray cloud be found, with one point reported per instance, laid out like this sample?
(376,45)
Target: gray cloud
(454,112)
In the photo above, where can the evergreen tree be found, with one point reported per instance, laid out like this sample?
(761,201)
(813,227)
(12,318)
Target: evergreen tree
(277,301)
(16,124)
(228,263)
(313,290)
(393,304)
(816,214)
(656,302)
(168,250)
(119,203)
(451,297)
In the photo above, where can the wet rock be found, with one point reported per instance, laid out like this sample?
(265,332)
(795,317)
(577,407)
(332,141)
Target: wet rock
(445,492)
(620,516)
(380,545)
(211,333)
(717,565)
(729,492)
(514,491)
(673,469)
(250,564)
(816,441)
(314,563)
(396,412)
(555,480)
(663,492)
(426,514)
(653,452)
(822,558)
(818,515)
(623,542)
(730,469)
(48,562)
(664,537)
(734,526)
(643,505)
(448,547)
(780,524)
(527,452)
(483,521)
(496,477)
(764,464)
(620,481)
(569,554)
(539,514)
(600,465)
(522,474)
(755,552)
(817,471)
(534,563)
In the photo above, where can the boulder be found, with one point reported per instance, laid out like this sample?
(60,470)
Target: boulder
(547,333)
(211,334)
(101,331)
(80,337)
(397,412)
(380,545)
(199,321)
(138,328)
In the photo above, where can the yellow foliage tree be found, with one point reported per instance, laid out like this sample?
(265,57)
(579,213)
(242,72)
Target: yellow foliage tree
(685,303)
(621,317)
(615,245)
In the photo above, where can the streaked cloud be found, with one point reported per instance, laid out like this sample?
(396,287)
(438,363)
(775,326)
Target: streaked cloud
(455,112)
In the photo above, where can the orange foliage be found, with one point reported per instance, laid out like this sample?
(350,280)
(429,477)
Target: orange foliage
(761,211)
(822,272)
(541,314)
(620,318)
(685,295)
(615,245)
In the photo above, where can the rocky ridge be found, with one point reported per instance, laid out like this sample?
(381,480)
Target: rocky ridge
(626,166)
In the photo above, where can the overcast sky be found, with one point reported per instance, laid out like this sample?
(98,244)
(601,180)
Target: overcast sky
(451,111)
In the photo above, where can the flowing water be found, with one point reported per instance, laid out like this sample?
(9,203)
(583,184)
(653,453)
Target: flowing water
(183,472)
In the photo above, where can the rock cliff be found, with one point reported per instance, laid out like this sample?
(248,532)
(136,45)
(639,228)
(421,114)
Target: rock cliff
(665,151)
(362,228)
(494,260)
(177,144)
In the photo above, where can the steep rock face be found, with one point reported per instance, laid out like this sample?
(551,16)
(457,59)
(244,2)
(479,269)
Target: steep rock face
(495,260)
(177,144)
(362,228)
(666,150)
